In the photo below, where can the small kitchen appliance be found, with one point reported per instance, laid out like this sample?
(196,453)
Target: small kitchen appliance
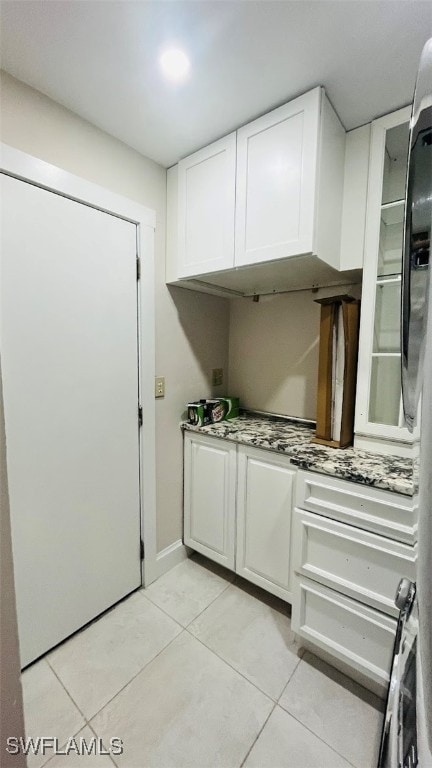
(407,733)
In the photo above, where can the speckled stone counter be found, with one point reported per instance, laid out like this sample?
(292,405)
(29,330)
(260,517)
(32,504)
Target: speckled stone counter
(293,438)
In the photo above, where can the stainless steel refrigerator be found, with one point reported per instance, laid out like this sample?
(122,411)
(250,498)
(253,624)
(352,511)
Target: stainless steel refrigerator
(407,733)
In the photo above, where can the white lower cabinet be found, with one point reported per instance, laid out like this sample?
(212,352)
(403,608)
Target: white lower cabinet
(351,632)
(346,572)
(209,497)
(264,509)
(356,562)
(238,508)
(388,514)
(334,549)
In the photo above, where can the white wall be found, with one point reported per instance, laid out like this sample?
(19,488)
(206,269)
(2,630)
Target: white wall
(273,344)
(191,329)
(273,351)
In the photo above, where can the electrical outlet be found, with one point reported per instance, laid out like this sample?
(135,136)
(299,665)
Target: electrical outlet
(217,377)
(160,386)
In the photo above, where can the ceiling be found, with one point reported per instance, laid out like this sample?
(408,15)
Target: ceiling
(100,59)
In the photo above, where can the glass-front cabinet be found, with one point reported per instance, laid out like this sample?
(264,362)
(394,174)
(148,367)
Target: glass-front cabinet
(379,407)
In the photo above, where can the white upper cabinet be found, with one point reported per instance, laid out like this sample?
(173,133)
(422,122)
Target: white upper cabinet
(257,198)
(379,413)
(206,200)
(356,175)
(276,179)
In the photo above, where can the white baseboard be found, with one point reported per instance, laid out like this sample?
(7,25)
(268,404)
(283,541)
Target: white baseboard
(164,561)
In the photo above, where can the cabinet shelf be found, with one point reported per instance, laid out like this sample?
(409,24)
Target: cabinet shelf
(393,277)
(378,386)
(386,354)
(391,239)
(393,204)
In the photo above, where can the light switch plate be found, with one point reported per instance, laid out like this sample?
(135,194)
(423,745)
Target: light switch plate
(217,377)
(160,386)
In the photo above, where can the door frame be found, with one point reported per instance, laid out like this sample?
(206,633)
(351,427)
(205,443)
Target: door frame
(30,169)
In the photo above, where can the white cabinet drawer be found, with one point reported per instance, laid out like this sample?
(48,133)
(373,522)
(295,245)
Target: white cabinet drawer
(359,564)
(383,512)
(351,632)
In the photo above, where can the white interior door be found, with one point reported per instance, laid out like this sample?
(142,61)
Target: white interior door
(69,355)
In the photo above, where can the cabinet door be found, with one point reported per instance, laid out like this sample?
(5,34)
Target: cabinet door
(206,201)
(351,632)
(264,509)
(209,497)
(276,180)
(379,412)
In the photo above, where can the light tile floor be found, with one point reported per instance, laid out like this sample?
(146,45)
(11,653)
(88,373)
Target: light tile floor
(201,669)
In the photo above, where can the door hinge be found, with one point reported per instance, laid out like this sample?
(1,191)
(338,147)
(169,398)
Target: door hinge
(140,416)
(138,268)
(141,549)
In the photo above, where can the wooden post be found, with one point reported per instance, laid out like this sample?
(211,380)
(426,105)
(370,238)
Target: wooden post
(351,322)
(325,430)
(325,372)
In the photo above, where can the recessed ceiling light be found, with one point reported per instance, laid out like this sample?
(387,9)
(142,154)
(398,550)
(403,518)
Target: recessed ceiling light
(175,64)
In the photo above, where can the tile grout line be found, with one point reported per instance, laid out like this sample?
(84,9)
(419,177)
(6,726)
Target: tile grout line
(258,735)
(302,652)
(68,693)
(275,702)
(87,720)
(46,763)
(133,678)
(303,724)
(221,658)
(237,582)
(87,725)
(318,737)
(211,603)
(100,737)
(185,626)
(182,629)
(155,605)
(270,698)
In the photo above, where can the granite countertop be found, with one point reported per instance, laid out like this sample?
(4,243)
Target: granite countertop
(293,438)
